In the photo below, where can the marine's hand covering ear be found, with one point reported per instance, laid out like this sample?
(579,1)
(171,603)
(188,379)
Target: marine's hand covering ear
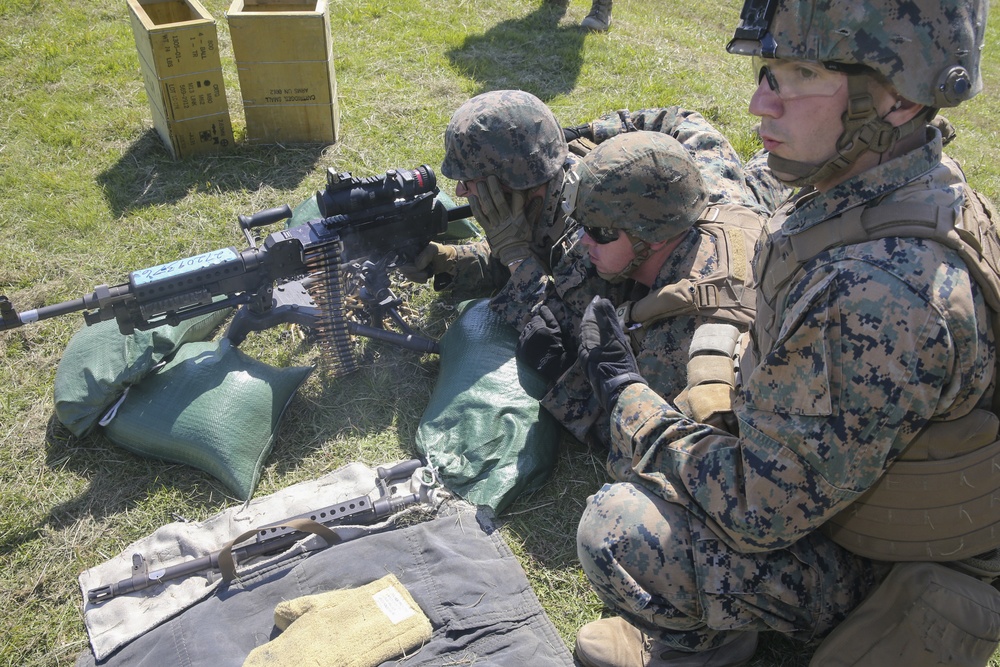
(504,221)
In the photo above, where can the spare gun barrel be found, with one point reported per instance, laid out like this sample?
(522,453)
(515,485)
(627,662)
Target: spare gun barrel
(273,538)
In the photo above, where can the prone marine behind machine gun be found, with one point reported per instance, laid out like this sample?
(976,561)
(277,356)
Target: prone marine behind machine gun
(296,275)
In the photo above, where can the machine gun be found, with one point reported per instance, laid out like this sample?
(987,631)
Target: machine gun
(296,275)
(276,538)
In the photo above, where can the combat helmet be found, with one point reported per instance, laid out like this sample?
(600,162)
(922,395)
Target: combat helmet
(645,183)
(509,134)
(928,50)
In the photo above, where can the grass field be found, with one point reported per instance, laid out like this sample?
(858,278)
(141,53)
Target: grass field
(88,193)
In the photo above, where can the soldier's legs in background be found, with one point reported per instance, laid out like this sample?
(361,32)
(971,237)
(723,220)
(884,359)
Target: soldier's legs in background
(668,574)
(599,18)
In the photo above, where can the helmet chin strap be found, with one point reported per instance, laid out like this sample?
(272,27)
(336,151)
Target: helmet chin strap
(642,251)
(864,130)
(551,200)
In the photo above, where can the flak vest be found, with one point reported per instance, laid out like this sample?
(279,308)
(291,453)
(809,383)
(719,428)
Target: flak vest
(939,500)
(726,295)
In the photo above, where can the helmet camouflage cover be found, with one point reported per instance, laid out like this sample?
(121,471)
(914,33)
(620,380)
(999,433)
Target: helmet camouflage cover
(645,183)
(509,134)
(929,50)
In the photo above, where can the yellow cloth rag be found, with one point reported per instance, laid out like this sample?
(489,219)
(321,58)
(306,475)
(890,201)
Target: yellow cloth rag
(357,627)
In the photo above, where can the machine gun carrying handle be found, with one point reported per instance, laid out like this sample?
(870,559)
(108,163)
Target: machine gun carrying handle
(263,218)
(399,471)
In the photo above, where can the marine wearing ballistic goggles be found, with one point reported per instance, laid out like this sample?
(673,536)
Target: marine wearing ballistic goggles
(652,242)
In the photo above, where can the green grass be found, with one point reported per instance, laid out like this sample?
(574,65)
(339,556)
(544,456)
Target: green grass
(88,193)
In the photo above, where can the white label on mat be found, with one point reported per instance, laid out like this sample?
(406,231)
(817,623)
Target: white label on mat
(393,605)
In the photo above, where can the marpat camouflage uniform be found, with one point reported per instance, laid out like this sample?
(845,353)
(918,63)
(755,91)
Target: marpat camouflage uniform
(512,135)
(873,340)
(728,181)
(662,353)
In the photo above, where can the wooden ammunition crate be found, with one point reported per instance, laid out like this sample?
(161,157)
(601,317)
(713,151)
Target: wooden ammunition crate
(284,58)
(179,57)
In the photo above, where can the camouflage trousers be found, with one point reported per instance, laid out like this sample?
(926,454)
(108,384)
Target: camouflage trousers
(658,566)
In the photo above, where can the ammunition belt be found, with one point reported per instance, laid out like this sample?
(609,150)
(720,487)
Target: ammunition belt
(327,290)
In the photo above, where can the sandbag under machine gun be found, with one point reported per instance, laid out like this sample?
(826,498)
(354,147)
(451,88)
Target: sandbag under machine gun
(296,275)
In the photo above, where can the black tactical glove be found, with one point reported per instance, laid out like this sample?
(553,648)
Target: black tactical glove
(606,353)
(542,346)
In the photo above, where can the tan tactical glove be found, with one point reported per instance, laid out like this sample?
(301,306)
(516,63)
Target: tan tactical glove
(504,222)
(357,627)
(434,259)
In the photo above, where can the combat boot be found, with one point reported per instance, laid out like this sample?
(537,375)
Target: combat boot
(613,642)
(599,18)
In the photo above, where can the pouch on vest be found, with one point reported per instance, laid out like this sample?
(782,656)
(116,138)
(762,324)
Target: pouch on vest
(923,614)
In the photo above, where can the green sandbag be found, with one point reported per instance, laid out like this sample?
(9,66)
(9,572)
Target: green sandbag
(484,427)
(100,362)
(211,407)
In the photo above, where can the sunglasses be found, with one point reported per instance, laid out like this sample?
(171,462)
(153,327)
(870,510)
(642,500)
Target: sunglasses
(602,235)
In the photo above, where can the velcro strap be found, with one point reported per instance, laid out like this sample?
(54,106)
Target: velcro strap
(711,369)
(227,564)
(714,337)
(670,300)
(705,400)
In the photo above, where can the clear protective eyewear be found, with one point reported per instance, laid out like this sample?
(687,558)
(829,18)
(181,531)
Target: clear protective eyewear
(793,79)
